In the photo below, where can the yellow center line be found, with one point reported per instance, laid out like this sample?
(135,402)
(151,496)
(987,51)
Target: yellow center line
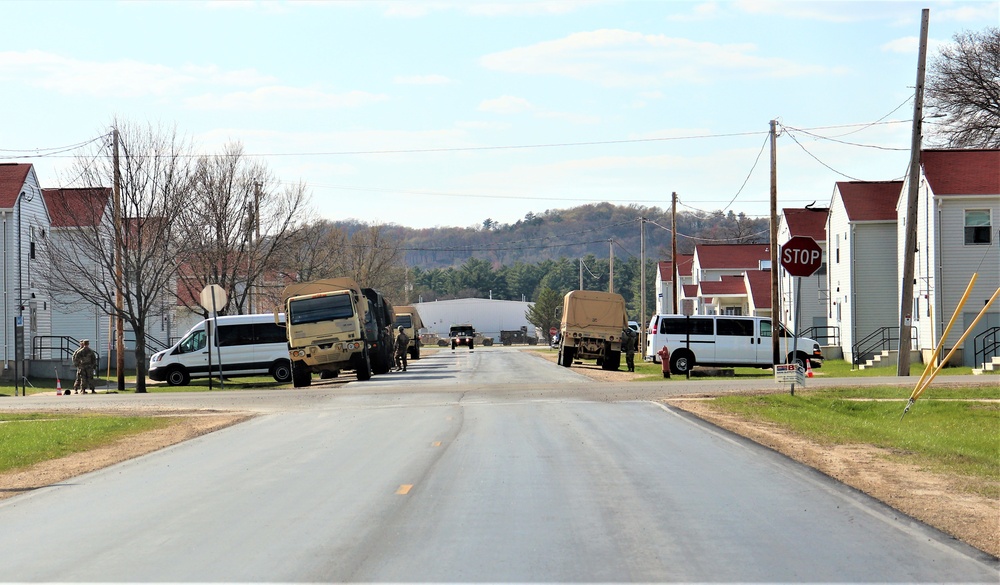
(404,489)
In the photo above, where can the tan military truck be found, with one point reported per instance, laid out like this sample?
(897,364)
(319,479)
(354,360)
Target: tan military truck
(591,328)
(325,326)
(408,317)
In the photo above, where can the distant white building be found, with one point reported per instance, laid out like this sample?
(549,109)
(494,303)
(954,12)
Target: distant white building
(488,316)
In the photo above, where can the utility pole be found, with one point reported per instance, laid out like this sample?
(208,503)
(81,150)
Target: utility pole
(642,286)
(775,298)
(611,266)
(910,227)
(119,297)
(674,271)
(581,273)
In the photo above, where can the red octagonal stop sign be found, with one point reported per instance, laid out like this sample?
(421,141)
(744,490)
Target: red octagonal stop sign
(801,256)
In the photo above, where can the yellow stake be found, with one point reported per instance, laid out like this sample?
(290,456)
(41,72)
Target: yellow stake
(944,337)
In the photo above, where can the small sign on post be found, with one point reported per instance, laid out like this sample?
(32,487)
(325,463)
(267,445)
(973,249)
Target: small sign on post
(789,374)
(213,298)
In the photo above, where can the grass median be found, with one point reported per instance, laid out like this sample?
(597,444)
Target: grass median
(28,438)
(955,432)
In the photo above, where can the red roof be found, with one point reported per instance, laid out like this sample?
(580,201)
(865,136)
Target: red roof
(962,172)
(810,221)
(12,178)
(732,256)
(690,290)
(76,207)
(760,287)
(665,268)
(870,200)
(729,285)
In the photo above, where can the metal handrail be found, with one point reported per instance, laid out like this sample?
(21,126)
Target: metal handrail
(824,334)
(61,346)
(881,339)
(990,342)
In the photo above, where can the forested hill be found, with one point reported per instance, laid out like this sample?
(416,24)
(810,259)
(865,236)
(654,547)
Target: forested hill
(572,233)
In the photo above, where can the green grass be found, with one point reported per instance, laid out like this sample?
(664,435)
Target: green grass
(956,432)
(27,438)
(104,384)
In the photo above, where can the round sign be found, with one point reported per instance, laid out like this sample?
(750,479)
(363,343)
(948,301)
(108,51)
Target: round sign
(213,298)
(553,331)
(801,256)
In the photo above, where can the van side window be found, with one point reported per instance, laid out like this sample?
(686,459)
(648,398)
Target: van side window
(735,327)
(765,329)
(685,325)
(269,333)
(231,335)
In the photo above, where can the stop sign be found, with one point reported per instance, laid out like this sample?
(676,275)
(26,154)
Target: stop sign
(801,256)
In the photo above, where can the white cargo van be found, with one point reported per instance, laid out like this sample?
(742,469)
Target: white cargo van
(724,341)
(246,345)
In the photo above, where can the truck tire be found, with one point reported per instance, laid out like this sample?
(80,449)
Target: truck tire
(363,366)
(281,371)
(801,360)
(381,363)
(566,356)
(681,361)
(613,361)
(415,353)
(301,377)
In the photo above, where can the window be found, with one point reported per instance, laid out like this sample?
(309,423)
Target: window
(694,326)
(977,226)
(735,327)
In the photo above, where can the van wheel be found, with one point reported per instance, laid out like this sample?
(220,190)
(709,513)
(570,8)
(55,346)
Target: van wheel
(178,376)
(800,360)
(281,371)
(681,362)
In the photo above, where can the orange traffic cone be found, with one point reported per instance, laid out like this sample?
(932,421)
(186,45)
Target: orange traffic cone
(809,369)
(59,389)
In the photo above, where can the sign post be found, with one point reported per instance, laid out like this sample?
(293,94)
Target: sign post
(213,296)
(801,257)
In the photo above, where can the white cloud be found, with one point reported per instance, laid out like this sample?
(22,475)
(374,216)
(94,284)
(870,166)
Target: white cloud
(284,98)
(124,78)
(422,80)
(507,104)
(620,58)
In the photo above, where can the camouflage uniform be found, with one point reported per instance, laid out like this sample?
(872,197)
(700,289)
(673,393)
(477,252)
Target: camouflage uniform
(400,346)
(629,339)
(85,362)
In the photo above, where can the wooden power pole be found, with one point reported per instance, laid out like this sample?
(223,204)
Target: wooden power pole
(674,271)
(910,226)
(775,297)
(119,297)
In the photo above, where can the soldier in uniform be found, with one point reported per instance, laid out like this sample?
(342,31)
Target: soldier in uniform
(85,362)
(400,346)
(629,339)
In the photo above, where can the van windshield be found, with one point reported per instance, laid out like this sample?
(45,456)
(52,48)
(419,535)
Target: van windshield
(314,310)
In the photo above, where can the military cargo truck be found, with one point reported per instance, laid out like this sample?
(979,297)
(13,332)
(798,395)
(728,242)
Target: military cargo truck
(325,326)
(378,330)
(408,317)
(591,328)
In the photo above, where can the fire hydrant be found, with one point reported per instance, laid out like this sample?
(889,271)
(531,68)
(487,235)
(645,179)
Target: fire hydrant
(664,354)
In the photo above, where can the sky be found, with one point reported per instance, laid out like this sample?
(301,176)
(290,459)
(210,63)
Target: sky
(449,113)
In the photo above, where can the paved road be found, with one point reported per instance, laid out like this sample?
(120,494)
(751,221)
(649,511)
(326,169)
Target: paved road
(483,466)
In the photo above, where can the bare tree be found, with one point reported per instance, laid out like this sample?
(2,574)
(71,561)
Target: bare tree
(375,260)
(154,175)
(963,85)
(233,227)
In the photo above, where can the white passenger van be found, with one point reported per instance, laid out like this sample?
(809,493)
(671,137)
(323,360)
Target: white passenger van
(724,341)
(246,345)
